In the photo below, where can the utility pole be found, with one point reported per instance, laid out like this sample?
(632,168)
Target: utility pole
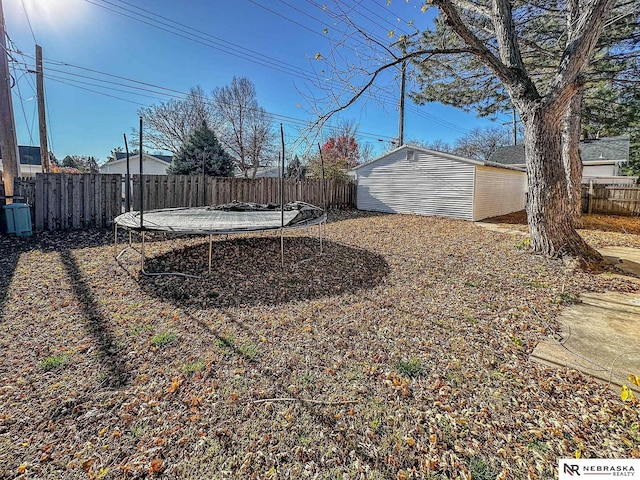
(403,82)
(8,138)
(42,121)
(514,122)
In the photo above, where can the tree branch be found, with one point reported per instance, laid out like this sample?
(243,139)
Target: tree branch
(409,56)
(473,7)
(477,47)
(581,42)
(506,35)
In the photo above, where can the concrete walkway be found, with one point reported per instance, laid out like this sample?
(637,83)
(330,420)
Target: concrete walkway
(599,335)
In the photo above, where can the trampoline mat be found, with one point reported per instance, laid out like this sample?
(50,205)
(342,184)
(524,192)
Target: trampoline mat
(221,219)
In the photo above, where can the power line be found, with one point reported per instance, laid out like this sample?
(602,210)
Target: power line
(359,12)
(254,58)
(26,14)
(80,82)
(59,80)
(221,45)
(322,22)
(273,116)
(336,16)
(24,113)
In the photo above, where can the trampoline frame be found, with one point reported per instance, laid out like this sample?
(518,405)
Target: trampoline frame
(320,221)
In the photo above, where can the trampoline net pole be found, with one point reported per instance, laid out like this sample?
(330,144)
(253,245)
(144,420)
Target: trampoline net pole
(282,246)
(115,239)
(282,198)
(210,246)
(141,182)
(324,196)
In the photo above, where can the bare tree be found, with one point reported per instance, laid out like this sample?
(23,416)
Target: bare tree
(168,124)
(261,140)
(480,143)
(489,33)
(245,128)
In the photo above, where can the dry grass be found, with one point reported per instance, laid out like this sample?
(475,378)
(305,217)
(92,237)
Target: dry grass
(401,352)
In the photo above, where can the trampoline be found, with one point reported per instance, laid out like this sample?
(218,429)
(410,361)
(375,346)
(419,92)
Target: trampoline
(231,218)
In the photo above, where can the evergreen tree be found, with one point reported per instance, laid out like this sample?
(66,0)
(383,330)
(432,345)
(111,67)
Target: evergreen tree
(295,169)
(202,148)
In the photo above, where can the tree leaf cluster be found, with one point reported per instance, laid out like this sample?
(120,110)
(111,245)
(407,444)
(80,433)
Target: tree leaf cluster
(77,164)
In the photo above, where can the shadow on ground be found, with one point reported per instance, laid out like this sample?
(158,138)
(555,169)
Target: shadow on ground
(248,271)
(96,325)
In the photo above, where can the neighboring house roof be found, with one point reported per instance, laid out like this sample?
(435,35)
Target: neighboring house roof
(615,149)
(132,156)
(511,155)
(268,172)
(594,151)
(28,155)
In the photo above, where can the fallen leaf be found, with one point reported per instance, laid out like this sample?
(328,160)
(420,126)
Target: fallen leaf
(156,465)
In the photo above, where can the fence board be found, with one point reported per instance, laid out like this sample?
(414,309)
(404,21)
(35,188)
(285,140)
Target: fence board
(611,200)
(163,191)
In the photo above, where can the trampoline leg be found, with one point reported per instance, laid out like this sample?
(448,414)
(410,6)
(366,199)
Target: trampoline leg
(142,253)
(115,239)
(130,241)
(209,254)
(282,247)
(320,232)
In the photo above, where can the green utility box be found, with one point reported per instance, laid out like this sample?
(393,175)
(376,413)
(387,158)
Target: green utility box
(17,219)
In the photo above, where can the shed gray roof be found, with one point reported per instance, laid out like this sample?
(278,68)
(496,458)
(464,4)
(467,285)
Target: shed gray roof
(488,163)
(611,149)
(29,155)
(424,150)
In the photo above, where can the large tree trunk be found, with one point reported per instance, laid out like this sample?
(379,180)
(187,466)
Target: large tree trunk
(548,212)
(571,157)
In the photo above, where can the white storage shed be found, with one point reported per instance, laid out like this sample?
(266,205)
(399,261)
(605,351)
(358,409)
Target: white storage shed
(419,181)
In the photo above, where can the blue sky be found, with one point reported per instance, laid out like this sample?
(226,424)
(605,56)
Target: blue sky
(272,42)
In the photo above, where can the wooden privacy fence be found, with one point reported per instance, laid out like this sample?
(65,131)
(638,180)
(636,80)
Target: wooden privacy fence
(74,201)
(613,200)
(71,201)
(166,191)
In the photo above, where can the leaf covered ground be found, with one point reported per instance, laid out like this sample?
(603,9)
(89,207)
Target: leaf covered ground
(400,352)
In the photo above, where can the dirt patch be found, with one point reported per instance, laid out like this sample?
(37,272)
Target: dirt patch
(249,271)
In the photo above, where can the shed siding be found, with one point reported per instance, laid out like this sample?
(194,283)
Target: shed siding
(425,185)
(149,167)
(498,192)
(590,171)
